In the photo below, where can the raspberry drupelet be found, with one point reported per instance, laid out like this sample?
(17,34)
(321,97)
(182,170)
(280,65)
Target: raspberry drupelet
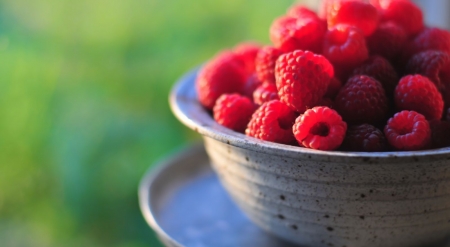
(320,128)
(408,131)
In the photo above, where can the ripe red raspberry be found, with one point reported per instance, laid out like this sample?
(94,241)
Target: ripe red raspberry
(362,100)
(429,39)
(375,3)
(333,88)
(408,131)
(247,51)
(433,64)
(418,93)
(328,5)
(440,133)
(364,138)
(265,63)
(345,47)
(388,40)
(380,4)
(355,13)
(320,128)
(251,85)
(404,13)
(300,11)
(223,74)
(380,69)
(289,33)
(302,79)
(265,93)
(233,111)
(272,122)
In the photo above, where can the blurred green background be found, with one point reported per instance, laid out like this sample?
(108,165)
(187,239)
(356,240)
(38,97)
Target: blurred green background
(84,112)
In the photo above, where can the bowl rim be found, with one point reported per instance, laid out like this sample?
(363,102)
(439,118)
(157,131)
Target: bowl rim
(186,107)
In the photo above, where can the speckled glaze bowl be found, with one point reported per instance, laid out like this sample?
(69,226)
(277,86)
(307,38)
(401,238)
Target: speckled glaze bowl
(317,198)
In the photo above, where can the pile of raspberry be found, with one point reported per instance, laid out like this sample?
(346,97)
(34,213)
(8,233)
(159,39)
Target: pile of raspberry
(364,76)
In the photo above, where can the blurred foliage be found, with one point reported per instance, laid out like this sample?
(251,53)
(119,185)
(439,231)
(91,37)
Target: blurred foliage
(84,112)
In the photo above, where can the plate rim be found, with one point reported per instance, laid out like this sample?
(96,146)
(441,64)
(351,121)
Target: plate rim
(149,180)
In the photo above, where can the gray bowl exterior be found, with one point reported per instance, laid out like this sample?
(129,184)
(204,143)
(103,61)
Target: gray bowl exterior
(318,198)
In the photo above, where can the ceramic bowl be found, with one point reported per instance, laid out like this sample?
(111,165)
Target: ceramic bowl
(322,198)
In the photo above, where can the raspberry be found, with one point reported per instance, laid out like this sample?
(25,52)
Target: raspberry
(328,5)
(364,138)
(380,4)
(320,128)
(432,39)
(376,3)
(362,100)
(380,69)
(301,12)
(404,13)
(408,130)
(387,40)
(250,86)
(440,133)
(223,74)
(428,39)
(302,79)
(247,51)
(447,115)
(433,64)
(418,93)
(265,93)
(333,88)
(289,33)
(345,47)
(359,14)
(272,122)
(265,63)
(233,111)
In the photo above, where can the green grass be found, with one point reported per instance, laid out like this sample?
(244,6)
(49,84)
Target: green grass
(84,112)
